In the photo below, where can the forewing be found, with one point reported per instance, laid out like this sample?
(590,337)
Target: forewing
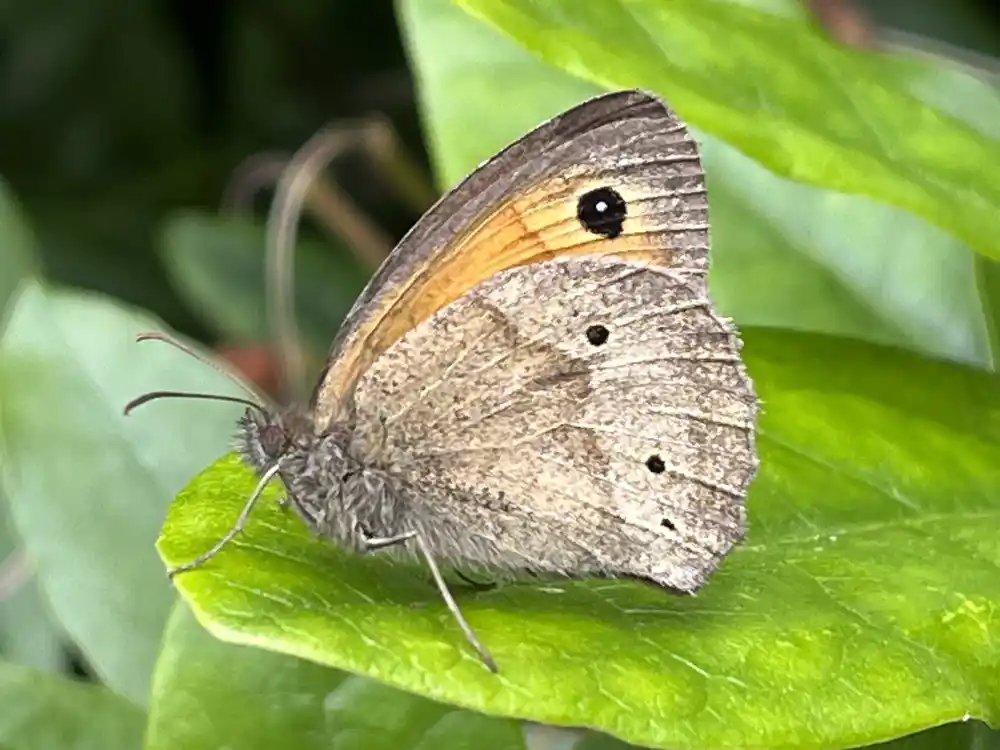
(517,208)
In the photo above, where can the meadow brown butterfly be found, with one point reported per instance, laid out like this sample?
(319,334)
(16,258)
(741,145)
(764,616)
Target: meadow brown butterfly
(535,379)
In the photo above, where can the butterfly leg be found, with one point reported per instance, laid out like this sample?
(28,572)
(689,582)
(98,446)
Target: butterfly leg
(449,600)
(237,527)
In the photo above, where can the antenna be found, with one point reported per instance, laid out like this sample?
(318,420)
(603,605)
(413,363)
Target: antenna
(156,395)
(252,402)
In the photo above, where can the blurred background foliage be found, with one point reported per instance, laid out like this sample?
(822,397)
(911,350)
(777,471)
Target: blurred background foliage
(122,125)
(117,118)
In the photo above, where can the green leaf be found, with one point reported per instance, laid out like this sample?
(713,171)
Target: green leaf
(945,86)
(780,91)
(989,294)
(463,121)
(210,694)
(972,99)
(41,712)
(27,633)
(88,486)
(783,254)
(869,573)
(218,265)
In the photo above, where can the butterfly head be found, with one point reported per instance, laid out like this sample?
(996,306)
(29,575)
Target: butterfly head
(266,437)
(316,470)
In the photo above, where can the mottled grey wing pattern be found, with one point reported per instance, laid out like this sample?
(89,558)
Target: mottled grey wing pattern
(631,456)
(580,407)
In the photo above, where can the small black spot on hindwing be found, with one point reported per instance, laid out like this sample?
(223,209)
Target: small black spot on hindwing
(602,211)
(655,464)
(597,335)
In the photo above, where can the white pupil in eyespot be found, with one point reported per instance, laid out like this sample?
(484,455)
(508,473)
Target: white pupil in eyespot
(601,206)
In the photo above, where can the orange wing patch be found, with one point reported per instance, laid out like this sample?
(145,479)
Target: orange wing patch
(539,225)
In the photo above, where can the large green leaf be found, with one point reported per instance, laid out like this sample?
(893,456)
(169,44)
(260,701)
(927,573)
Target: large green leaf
(465,121)
(860,608)
(989,292)
(781,92)
(41,712)
(210,694)
(783,253)
(972,99)
(88,486)
(27,633)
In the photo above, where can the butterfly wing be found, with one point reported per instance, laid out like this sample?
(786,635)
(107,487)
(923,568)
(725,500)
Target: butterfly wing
(524,439)
(512,211)
(555,391)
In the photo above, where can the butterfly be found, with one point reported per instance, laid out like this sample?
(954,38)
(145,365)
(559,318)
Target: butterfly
(535,380)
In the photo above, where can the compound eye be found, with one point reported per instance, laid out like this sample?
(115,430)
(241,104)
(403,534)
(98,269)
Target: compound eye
(273,440)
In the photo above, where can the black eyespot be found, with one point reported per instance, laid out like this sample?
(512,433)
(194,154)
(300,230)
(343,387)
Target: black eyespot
(668,524)
(597,335)
(655,464)
(602,211)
